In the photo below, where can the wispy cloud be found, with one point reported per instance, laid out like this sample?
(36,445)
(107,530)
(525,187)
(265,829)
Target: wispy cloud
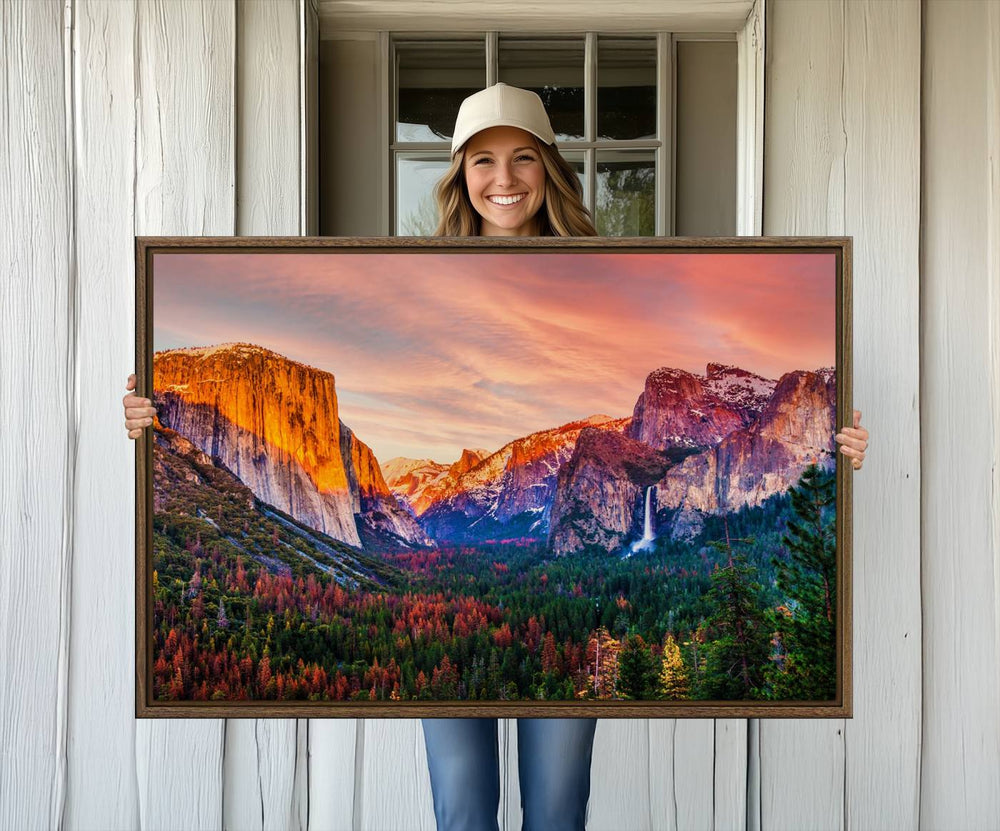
(435,352)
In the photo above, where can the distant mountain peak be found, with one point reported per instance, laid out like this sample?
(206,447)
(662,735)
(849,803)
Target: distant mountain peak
(665,374)
(238,350)
(678,408)
(229,346)
(715,369)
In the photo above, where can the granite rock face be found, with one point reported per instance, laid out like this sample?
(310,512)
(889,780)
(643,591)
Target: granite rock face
(600,491)
(372,501)
(706,444)
(679,409)
(275,424)
(422,482)
(794,429)
(510,492)
(767,443)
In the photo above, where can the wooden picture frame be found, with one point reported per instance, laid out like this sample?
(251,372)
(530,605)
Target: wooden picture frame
(270,523)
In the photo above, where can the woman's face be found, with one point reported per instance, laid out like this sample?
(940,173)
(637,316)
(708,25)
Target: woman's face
(506,180)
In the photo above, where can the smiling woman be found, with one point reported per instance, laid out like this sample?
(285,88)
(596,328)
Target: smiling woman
(507,177)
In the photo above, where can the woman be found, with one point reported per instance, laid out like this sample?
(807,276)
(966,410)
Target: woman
(507,179)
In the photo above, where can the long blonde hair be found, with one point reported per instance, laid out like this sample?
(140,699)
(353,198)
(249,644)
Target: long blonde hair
(562,214)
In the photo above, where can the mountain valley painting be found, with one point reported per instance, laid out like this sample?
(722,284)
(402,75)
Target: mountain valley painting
(493,477)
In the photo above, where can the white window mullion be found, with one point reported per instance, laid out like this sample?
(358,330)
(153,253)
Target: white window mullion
(387,117)
(750,124)
(672,135)
(664,132)
(590,118)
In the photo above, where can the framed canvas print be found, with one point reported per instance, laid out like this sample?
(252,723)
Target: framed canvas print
(405,477)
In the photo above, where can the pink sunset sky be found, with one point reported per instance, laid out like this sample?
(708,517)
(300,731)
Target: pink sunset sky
(436,352)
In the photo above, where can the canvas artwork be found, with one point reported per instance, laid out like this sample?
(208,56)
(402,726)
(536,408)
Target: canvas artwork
(398,478)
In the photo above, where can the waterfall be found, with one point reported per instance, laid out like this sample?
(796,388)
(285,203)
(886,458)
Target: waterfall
(647,527)
(648,537)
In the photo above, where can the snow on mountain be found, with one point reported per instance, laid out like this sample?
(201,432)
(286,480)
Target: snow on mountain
(420,482)
(517,482)
(679,409)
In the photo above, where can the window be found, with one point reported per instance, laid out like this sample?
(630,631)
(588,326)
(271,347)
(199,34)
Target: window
(650,122)
(611,103)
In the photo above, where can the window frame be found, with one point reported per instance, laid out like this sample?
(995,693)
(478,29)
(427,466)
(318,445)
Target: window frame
(661,148)
(750,113)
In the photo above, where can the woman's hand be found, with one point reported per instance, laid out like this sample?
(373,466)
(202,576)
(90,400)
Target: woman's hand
(854,441)
(139,412)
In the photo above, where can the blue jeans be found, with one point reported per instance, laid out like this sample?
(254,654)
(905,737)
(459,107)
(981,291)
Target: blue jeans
(553,769)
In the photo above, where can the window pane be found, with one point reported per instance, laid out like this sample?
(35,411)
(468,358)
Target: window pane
(553,69)
(416,175)
(432,80)
(705,201)
(577,162)
(626,88)
(626,195)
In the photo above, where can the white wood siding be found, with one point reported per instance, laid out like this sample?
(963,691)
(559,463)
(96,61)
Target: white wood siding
(960,417)
(37,415)
(101,770)
(842,138)
(184,184)
(143,117)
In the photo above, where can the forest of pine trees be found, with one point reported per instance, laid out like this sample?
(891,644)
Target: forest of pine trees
(745,612)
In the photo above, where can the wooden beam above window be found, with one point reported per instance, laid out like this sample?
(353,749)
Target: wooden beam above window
(516,15)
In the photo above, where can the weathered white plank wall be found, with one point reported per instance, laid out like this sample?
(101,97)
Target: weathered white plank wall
(268,118)
(803,194)
(158,117)
(960,416)
(37,414)
(101,754)
(881,211)
(184,184)
(842,138)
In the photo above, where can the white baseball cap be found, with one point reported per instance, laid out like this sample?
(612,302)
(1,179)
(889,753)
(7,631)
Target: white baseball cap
(501,105)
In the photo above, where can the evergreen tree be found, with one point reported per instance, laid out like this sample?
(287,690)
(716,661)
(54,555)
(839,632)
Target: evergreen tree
(673,679)
(805,625)
(636,669)
(493,681)
(736,658)
(696,653)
